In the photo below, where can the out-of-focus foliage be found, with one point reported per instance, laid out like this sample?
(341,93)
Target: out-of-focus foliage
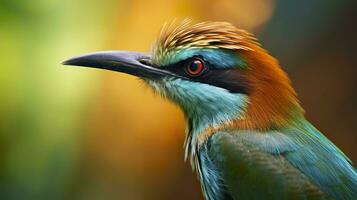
(44,106)
(78,133)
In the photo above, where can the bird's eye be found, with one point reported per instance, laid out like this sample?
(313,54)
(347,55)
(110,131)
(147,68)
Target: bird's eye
(195,67)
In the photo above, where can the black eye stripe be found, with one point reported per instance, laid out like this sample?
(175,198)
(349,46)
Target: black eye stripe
(230,79)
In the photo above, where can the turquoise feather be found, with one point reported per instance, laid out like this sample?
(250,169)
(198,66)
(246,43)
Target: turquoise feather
(294,163)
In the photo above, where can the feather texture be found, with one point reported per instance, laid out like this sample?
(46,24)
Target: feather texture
(295,163)
(209,35)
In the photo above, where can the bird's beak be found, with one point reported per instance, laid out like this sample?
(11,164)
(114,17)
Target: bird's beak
(134,63)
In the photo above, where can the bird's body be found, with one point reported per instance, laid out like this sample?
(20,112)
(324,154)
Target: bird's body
(247,135)
(285,164)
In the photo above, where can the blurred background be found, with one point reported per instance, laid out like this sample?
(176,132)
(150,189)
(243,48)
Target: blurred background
(79,133)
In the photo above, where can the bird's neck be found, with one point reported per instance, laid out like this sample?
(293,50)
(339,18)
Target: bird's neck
(205,107)
(273,101)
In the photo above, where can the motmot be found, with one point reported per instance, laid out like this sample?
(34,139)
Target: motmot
(247,136)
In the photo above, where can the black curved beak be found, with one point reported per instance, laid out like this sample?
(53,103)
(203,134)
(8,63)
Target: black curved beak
(134,63)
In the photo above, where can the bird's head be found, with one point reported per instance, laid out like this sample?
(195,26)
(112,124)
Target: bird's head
(218,75)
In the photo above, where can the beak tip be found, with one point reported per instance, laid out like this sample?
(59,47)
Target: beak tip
(67,62)
(73,62)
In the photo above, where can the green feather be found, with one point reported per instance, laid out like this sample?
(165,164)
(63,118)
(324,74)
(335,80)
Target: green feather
(295,163)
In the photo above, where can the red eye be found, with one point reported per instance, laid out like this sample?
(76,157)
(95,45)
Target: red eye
(195,67)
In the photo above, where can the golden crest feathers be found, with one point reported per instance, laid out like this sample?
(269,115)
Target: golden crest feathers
(176,36)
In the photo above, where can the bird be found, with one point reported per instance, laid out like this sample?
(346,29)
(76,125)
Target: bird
(247,135)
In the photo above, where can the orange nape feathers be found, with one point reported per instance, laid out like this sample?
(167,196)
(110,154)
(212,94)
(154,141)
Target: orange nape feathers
(272,99)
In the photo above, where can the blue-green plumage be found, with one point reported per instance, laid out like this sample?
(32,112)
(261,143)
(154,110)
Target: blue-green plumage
(310,159)
(297,162)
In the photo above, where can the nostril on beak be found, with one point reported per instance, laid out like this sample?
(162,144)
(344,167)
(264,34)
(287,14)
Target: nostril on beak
(145,61)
